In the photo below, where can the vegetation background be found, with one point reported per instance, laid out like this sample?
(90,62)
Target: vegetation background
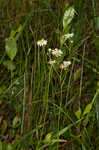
(41,106)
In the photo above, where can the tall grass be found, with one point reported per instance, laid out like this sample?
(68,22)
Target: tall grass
(49,107)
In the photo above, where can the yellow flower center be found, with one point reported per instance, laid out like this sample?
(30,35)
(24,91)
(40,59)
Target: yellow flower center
(41,41)
(57,52)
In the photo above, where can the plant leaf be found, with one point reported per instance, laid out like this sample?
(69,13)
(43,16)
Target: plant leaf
(78,113)
(15,121)
(87,109)
(62,131)
(14,32)
(9,64)
(68,16)
(77,74)
(11,48)
(48,137)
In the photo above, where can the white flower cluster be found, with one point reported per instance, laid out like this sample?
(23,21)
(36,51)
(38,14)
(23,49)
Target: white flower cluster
(56,52)
(69,35)
(65,64)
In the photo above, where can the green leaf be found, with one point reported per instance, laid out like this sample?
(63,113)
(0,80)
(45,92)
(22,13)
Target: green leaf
(11,48)
(87,109)
(62,131)
(78,113)
(77,74)
(19,28)
(68,16)
(15,121)
(48,137)
(9,64)
(14,32)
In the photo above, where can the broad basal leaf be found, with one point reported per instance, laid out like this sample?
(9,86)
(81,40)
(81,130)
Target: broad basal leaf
(11,48)
(9,65)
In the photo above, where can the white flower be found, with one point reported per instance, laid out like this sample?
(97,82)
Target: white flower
(69,35)
(49,50)
(65,64)
(51,62)
(57,52)
(71,41)
(42,42)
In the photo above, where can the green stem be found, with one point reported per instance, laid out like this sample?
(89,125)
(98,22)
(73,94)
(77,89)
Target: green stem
(23,113)
(45,105)
(59,114)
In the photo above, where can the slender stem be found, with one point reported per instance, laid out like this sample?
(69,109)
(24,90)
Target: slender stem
(59,114)
(68,87)
(23,113)
(45,106)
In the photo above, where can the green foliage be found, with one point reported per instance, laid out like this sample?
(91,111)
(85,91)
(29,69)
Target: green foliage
(77,74)
(11,43)
(14,32)
(87,109)
(78,113)
(68,16)
(11,47)
(9,147)
(44,106)
(48,138)
(5,146)
(15,122)
(9,65)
